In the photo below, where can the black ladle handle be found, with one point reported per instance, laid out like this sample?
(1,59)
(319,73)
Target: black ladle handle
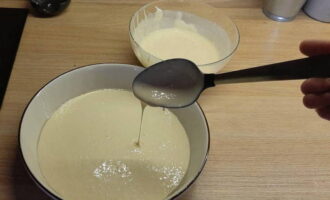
(316,66)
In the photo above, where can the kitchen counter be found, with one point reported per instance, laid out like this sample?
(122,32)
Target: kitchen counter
(264,143)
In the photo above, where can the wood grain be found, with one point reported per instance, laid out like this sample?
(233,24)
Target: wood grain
(264,144)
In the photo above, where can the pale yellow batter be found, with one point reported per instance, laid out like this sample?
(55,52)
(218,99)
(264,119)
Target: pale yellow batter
(86,149)
(177,42)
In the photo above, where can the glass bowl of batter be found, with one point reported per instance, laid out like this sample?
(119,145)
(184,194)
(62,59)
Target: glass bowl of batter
(187,29)
(78,141)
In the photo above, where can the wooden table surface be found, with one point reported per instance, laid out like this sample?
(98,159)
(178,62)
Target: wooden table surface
(264,143)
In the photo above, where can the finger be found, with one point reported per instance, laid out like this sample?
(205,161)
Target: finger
(324,112)
(317,101)
(315,47)
(315,85)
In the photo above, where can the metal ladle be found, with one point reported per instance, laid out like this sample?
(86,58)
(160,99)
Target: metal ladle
(178,83)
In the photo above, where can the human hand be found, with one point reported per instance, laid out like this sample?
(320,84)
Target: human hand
(316,90)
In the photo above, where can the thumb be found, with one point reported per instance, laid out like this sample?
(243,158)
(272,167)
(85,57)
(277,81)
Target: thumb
(315,47)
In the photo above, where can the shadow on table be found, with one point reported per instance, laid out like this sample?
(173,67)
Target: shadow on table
(23,186)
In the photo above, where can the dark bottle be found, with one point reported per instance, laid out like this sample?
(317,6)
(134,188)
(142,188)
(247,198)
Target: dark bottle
(49,7)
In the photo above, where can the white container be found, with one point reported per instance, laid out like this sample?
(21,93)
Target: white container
(209,22)
(318,9)
(282,10)
(90,78)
